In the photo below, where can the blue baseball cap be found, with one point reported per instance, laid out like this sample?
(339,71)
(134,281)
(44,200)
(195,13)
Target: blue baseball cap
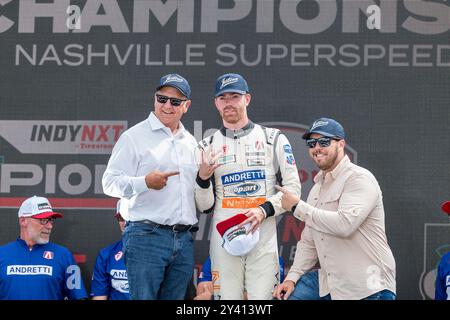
(326,127)
(176,81)
(231,82)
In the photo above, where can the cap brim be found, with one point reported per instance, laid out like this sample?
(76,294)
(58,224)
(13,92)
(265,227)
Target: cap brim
(230,90)
(446,207)
(50,214)
(325,134)
(224,225)
(173,86)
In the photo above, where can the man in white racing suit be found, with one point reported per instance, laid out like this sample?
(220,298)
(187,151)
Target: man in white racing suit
(240,165)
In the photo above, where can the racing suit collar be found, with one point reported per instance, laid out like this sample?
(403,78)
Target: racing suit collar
(235,134)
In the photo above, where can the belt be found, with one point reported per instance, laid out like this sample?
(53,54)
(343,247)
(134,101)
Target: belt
(175,227)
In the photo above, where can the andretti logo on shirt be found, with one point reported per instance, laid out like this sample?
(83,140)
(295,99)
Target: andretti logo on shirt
(29,270)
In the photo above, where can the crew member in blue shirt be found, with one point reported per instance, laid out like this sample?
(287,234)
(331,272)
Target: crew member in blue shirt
(110,281)
(443,274)
(32,268)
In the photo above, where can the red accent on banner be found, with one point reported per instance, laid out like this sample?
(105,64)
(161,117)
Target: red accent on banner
(80,258)
(292,227)
(65,203)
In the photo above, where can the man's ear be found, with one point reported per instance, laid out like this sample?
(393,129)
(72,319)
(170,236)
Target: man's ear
(342,144)
(22,221)
(248,98)
(187,104)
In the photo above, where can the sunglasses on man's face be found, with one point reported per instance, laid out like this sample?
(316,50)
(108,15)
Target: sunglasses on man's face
(323,142)
(176,102)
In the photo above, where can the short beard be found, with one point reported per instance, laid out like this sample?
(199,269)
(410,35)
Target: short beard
(39,240)
(331,163)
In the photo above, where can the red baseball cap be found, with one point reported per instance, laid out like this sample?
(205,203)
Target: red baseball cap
(446,207)
(236,241)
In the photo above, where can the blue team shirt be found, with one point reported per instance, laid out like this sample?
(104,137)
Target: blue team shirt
(110,275)
(205,274)
(46,272)
(443,279)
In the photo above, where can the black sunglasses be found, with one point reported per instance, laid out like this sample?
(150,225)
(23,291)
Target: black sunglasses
(323,142)
(176,102)
(44,221)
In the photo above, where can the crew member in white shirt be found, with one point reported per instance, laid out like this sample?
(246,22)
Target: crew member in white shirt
(153,166)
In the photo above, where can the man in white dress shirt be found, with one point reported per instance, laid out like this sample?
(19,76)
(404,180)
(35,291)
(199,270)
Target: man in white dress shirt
(153,166)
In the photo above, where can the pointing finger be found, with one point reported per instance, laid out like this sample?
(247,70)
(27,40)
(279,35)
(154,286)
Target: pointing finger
(170,173)
(284,190)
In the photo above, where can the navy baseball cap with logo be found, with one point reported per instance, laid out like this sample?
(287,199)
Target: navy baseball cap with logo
(231,82)
(176,81)
(326,127)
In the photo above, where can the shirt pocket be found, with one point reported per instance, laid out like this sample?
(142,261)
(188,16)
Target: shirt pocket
(331,202)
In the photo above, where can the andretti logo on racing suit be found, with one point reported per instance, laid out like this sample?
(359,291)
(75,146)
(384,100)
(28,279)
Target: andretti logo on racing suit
(245,189)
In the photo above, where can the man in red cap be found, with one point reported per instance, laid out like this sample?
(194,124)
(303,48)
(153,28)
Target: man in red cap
(443,275)
(32,268)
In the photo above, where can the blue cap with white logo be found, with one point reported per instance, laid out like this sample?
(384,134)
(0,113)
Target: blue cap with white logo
(326,127)
(176,81)
(231,82)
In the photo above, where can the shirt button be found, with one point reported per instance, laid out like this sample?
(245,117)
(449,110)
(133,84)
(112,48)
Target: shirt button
(328,274)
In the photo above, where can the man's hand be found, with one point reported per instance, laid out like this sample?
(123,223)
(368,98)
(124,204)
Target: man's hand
(157,180)
(255,216)
(284,290)
(208,164)
(204,291)
(289,199)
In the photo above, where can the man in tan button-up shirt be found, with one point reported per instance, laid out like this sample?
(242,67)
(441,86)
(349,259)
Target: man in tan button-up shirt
(344,228)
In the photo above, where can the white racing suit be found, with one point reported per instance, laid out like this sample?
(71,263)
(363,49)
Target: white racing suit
(252,159)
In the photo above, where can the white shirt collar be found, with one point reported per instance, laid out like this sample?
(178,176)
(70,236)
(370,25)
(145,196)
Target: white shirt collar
(156,124)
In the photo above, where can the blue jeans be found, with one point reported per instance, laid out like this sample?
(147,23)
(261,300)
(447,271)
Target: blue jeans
(159,261)
(307,288)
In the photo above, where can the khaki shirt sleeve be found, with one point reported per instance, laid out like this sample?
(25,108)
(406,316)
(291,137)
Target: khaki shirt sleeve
(358,199)
(305,256)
